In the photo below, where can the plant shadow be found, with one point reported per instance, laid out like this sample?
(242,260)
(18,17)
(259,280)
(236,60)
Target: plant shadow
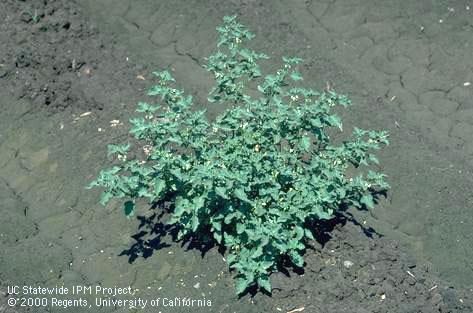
(322,230)
(155,234)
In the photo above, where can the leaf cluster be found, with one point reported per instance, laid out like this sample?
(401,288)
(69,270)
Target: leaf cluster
(258,173)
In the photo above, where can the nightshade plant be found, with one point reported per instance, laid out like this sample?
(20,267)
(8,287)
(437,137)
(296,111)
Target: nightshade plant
(256,175)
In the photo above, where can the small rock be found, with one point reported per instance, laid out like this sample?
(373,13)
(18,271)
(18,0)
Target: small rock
(348,263)
(411,280)
(3,72)
(436,299)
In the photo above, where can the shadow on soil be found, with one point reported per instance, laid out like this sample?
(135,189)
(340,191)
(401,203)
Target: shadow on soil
(154,231)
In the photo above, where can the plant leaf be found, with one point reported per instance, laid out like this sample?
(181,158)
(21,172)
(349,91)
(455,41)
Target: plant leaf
(159,186)
(367,200)
(240,194)
(241,285)
(129,208)
(264,283)
(105,197)
(305,143)
(222,192)
(296,76)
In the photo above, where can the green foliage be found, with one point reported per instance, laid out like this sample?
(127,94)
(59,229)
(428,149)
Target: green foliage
(35,16)
(258,173)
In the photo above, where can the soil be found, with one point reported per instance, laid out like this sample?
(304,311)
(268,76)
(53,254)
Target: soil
(72,72)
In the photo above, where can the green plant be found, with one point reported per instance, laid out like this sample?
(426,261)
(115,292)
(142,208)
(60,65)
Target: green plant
(256,175)
(35,17)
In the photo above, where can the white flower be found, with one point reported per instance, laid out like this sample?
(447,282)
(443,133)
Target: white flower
(147,149)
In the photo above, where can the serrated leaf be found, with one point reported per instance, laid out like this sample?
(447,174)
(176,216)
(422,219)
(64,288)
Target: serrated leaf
(155,90)
(292,60)
(296,76)
(277,139)
(305,143)
(143,192)
(250,232)
(105,197)
(222,192)
(159,186)
(325,215)
(241,285)
(198,203)
(217,237)
(195,222)
(114,170)
(299,232)
(142,107)
(264,283)
(164,76)
(308,234)
(240,194)
(297,259)
(181,206)
(240,228)
(373,159)
(367,200)
(257,252)
(334,120)
(121,149)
